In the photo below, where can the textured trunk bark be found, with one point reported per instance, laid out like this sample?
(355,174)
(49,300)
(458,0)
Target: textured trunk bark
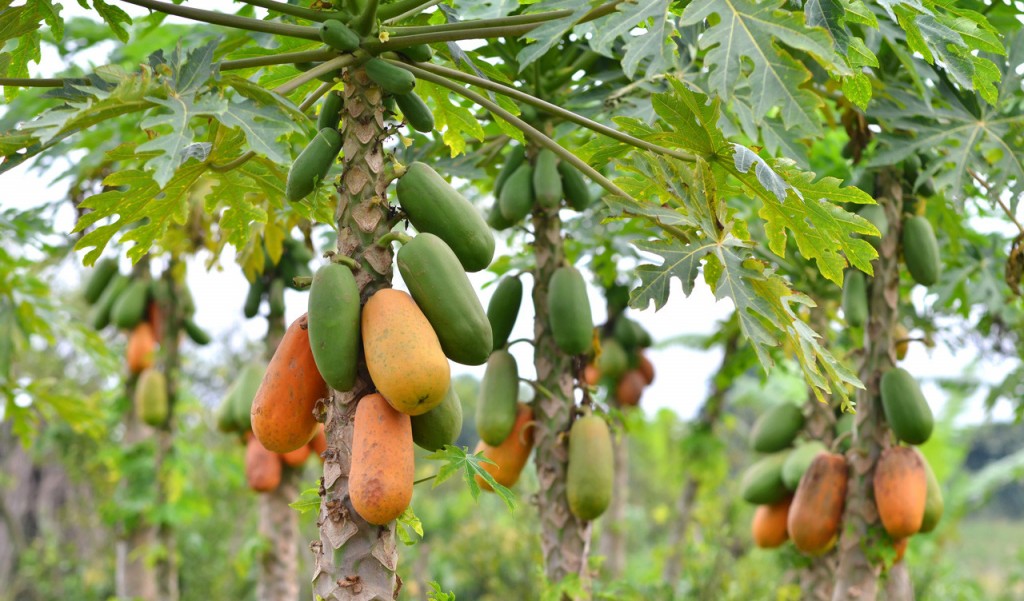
(857,577)
(613,532)
(278,579)
(135,577)
(898,584)
(706,420)
(355,560)
(565,539)
(167,562)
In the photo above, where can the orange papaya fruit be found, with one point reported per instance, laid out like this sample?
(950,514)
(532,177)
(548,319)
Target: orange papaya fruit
(262,467)
(630,388)
(511,455)
(141,351)
(901,491)
(817,509)
(381,477)
(769,527)
(297,457)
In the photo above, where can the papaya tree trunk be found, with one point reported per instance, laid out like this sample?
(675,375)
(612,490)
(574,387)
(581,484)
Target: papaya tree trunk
(279,523)
(857,577)
(352,558)
(898,584)
(613,531)
(565,539)
(167,562)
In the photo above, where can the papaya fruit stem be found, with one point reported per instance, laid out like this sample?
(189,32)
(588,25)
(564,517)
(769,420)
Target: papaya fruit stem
(388,238)
(527,340)
(339,62)
(295,11)
(364,22)
(302,281)
(538,387)
(235,22)
(345,260)
(428,478)
(284,58)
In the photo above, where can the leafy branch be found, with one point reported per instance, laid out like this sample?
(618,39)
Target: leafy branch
(459,459)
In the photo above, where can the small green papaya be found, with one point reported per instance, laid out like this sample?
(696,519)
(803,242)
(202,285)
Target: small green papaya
(503,309)
(516,198)
(226,417)
(102,274)
(130,307)
(151,397)
(625,333)
(547,183)
(855,298)
(921,251)
(441,425)
(776,428)
(391,78)
(330,111)
(934,504)
(569,314)
(253,298)
(334,316)
(337,35)
(798,462)
(100,317)
(419,53)
(876,215)
(575,187)
(613,361)
(197,334)
(905,407)
(276,297)
(762,483)
(591,469)
(417,113)
(312,164)
(497,402)
(243,391)
(496,220)
(515,158)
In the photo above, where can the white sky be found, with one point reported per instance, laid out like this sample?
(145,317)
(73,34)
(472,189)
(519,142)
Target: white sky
(682,374)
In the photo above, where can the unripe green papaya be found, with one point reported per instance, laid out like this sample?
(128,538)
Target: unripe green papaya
(515,158)
(337,35)
(102,273)
(547,183)
(613,361)
(434,207)
(130,307)
(151,397)
(643,337)
(921,251)
(196,333)
(569,311)
(101,311)
(762,482)
(591,469)
(497,401)
(496,220)
(391,78)
(516,198)
(575,187)
(798,462)
(243,391)
(876,215)
(334,325)
(905,407)
(625,333)
(226,417)
(312,164)
(330,111)
(188,304)
(776,428)
(934,505)
(855,298)
(440,287)
(419,53)
(253,298)
(276,297)
(503,309)
(441,425)
(416,112)
(296,250)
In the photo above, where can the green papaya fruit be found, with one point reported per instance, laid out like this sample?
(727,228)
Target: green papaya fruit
(844,425)
(625,334)
(188,304)
(855,298)
(196,333)
(253,298)
(390,104)
(876,215)
(441,425)
(496,220)
(776,428)
(330,111)
(130,307)
(102,273)
(312,164)
(151,397)
(617,297)
(337,35)
(297,250)
(934,505)
(613,361)
(334,325)
(243,391)
(434,207)
(643,337)
(226,417)
(516,198)
(391,78)
(101,310)
(798,462)
(591,469)
(513,161)
(496,405)
(276,297)
(921,251)
(417,113)
(419,53)
(905,407)
(569,311)
(547,183)
(503,309)
(762,483)
(577,195)
(440,287)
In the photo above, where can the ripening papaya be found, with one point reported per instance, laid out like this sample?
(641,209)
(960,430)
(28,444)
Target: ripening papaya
(391,78)
(337,35)
(876,215)
(419,53)
(195,333)
(646,368)
(798,461)
(901,491)
(403,354)
(612,363)
(433,206)
(102,274)
(630,388)
(441,425)
(575,187)
(100,316)
(503,309)
(761,483)
(511,455)
(262,467)
(282,411)
(253,298)
(381,477)
(905,407)
(817,509)
(297,457)
(318,446)
(130,307)
(141,348)
(776,428)
(330,111)
(334,325)
(769,527)
(151,397)
(547,183)
(442,290)
(569,315)
(312,164)
(243,391)
(921,251)
(591,468)
(515,158)
(417,113)
(900,341)
(855,298)
(591,375)
(516,197)
(496,404)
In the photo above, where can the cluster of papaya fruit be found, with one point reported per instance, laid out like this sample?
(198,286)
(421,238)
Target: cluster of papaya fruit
(135,304)
(542,180)
(271,284)
(622,365)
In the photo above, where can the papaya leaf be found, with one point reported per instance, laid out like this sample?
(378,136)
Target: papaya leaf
(453,120)
(409,524)
(544,37)
(653,48)
(309,500)
(459,459)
